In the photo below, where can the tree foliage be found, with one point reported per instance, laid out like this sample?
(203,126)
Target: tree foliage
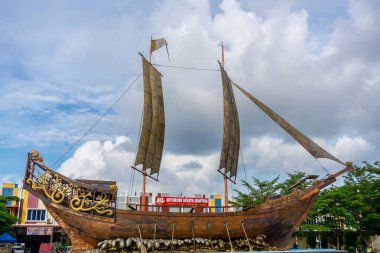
(293,178)
(363,186)
(353,207)
(6,220)
(257,192)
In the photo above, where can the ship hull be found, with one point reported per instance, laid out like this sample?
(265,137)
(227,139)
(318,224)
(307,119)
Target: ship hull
(276,219)
(86,209)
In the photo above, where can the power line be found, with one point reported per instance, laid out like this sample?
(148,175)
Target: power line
(96,122)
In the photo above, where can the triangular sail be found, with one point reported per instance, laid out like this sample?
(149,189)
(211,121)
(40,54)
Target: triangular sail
(229,155)
(313,148)
(151,144)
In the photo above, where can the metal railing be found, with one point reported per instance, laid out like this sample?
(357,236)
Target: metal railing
(181,208)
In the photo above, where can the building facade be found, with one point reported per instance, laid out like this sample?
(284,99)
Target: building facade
(9,190)
(35,225)
(216,201)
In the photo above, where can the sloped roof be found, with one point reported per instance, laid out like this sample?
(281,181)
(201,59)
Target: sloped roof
(7,238)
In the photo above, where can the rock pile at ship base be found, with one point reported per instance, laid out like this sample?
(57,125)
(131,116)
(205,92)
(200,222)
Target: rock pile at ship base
(180,245)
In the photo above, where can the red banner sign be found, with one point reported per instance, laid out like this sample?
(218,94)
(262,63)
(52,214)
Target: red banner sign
(181,201)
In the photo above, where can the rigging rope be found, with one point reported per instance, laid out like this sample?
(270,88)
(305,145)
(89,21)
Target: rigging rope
(209,236)
(129,193)
(132,178)
(192,232)
(182,67)
(118,99)
(246,236)
(328,173)
(229,237)
(96,122)
(154,235)
(232,191)
(242,161)
(172,244)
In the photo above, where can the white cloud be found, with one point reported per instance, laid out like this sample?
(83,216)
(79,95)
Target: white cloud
(189,174)
(70,67)
(110,160)
(352,148)
(265,157)
(269,156)
(11,178)
(97,160)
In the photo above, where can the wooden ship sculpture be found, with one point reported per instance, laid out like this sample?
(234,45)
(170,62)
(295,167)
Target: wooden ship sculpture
(87,208)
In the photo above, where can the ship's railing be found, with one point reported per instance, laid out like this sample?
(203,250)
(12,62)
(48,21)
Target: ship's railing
(97,199)
(181,209)
(272,201)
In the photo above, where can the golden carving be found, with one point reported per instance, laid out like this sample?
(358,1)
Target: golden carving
(35,155)
(283,200)
(52,186)
(80,199)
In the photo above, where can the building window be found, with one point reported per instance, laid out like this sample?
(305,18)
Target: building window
(36,215)
(8,192)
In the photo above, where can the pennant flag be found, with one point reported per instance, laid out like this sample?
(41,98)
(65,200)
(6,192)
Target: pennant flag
(156,44)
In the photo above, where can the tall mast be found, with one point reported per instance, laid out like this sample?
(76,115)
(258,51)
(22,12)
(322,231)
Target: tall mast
(149,152)
(143,202)
(222,54)
(150,49)
(225,169)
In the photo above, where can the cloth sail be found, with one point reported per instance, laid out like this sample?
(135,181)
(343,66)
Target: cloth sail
(313,148)
(158,43)
(152,135)
(229,155)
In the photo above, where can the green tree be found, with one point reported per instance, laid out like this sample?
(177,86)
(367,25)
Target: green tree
(294,177)
(257,192)
(6,220)
(363,185)
(351,208)
(329,213)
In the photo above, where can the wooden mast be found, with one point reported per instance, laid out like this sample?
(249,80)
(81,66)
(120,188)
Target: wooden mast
(225,169)
(143,198)
(150,50)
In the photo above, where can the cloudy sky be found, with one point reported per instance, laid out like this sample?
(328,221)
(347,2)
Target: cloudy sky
(64,63)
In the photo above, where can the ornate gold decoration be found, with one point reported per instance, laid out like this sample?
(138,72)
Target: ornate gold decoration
(35,155)
(56,191)
(80,199)
(113,187)
(348,163)
(284,200)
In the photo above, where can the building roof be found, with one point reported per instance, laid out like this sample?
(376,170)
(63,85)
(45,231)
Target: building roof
(7,238)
